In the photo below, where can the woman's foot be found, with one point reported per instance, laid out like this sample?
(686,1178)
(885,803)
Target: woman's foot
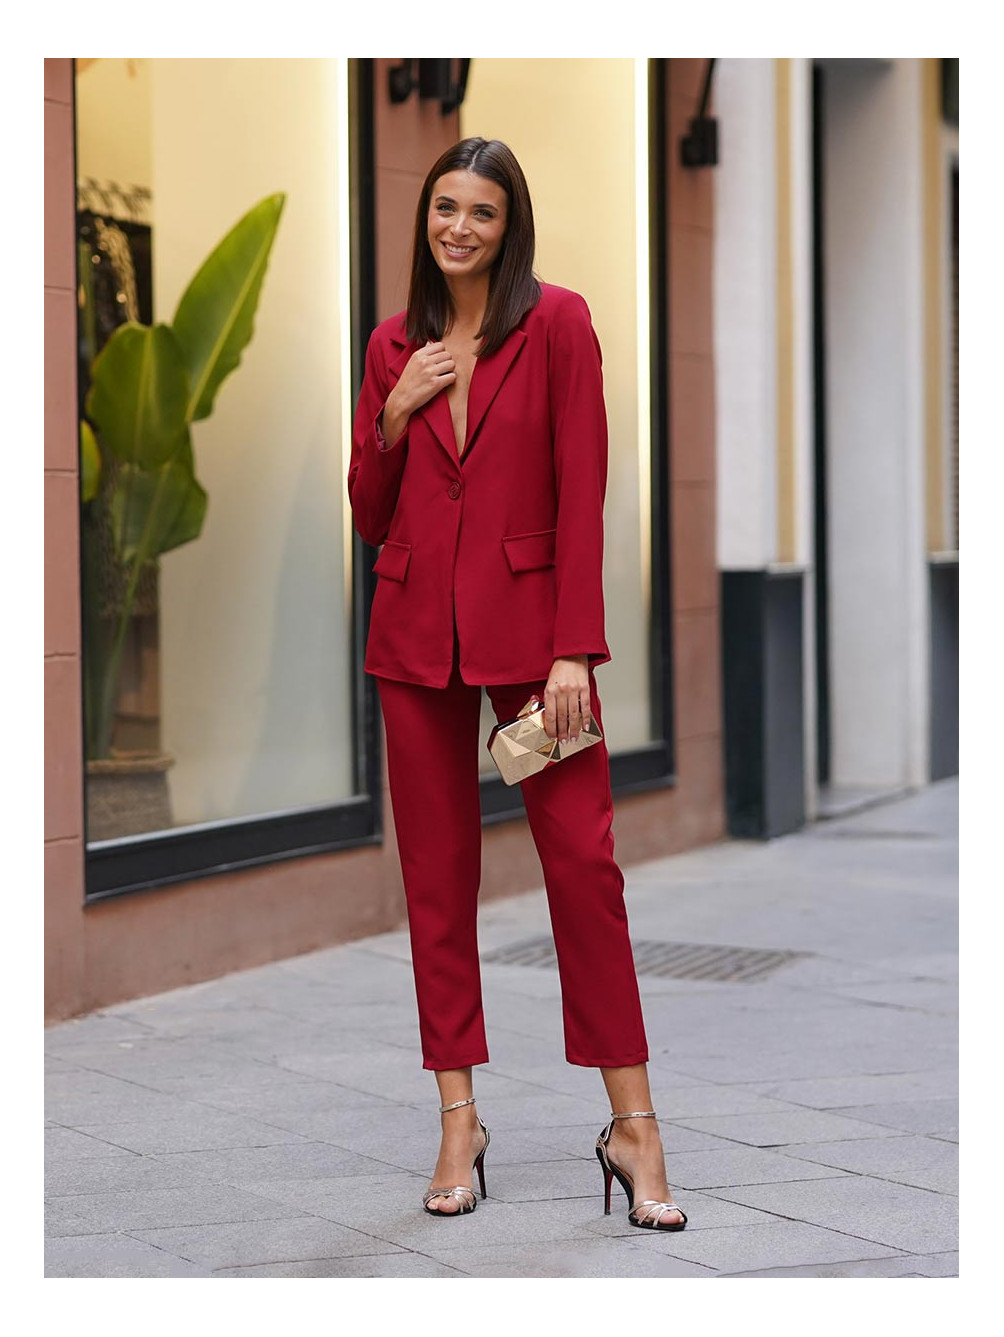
(463,1140)
(636,1147)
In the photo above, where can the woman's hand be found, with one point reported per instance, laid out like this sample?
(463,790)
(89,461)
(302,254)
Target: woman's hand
(427,371)
(566,698)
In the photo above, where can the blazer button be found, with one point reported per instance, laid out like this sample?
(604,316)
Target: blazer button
(454,490)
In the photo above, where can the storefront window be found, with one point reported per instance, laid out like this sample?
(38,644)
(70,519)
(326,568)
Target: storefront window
(580,130)
(216,628)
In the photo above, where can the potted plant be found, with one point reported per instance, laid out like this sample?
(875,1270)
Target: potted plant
(141,497)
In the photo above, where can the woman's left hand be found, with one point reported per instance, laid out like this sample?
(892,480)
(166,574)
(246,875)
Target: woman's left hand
(566,698)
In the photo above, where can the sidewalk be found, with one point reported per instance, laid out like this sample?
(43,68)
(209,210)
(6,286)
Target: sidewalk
(278,1123)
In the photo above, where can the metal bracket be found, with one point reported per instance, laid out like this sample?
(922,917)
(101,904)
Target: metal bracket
(699,147)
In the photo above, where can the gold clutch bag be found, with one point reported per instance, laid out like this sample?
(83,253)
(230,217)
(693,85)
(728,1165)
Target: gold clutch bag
(521,747)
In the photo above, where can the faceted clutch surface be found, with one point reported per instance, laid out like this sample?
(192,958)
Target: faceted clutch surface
(521,747)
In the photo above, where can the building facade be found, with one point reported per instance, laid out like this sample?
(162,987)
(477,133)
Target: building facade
(836,374)
(239,813)
(766,250)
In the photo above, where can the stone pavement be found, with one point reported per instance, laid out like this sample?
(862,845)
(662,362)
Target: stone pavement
(277,1122)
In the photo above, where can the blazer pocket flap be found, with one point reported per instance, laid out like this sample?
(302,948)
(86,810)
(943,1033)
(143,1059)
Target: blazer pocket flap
(527,552)
(393,560)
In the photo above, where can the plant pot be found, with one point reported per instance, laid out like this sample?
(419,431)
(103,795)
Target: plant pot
(127,795)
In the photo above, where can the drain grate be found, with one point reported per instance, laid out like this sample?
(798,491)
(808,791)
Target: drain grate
(672,960)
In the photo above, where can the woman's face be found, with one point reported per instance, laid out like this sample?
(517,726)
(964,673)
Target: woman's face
(467,221)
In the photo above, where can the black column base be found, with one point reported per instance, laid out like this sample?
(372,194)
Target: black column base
(763,699)
(944,722)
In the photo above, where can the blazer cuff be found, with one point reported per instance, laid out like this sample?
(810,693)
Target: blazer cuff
(381,440)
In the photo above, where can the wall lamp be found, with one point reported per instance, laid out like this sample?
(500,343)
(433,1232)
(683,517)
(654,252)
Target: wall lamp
(442,81)
(699,147)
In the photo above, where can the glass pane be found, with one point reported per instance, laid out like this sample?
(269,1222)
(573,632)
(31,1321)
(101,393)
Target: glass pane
(232,694)
(579,129)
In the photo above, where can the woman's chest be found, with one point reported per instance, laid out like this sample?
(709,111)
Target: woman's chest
(464,360)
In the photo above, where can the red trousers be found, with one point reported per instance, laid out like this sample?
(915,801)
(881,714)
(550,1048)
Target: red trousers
(433,742)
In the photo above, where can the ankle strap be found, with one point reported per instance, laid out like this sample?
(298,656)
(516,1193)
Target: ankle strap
(635,1114)
(444,1109)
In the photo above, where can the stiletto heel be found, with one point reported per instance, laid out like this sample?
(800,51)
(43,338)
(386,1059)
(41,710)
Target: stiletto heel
(464,1195)
(649,1219)
(608,1179)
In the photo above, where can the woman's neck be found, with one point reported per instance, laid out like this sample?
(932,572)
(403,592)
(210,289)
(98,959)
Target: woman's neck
(470,297)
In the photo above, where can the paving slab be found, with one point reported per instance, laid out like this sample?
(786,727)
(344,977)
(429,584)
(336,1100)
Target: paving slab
(112,1174)
(846,1059)
(67,1144)
(781,1243)
(401,1264)
(781,1128)
(920,995)
(848,1092)
(904,1218)
(99,1213)
(192,1130)
(579,1258)
(741,1165)
(290,1239)
(914,1116)
(246,1167)
(904,1265)
(923,1162)
(103,1027)
(114,1255)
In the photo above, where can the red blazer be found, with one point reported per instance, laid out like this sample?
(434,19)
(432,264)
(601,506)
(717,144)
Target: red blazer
(509,534)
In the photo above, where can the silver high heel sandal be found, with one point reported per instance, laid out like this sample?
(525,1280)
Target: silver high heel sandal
(649,1218)
(464,1195)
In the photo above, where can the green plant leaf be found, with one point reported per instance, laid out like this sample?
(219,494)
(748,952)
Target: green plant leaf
(214,321)
(139,394)
(90,463)
(155,510)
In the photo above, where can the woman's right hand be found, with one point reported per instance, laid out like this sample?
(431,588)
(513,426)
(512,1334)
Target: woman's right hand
(426,372)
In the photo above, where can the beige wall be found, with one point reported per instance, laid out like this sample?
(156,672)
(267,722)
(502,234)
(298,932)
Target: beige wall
(571,125)
(113,121)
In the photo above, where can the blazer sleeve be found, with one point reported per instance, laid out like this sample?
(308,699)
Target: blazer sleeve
(375,469)
(579,435)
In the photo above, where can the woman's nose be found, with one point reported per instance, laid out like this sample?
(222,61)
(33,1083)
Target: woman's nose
(459,225)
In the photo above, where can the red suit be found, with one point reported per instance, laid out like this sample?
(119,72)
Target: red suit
(491,568)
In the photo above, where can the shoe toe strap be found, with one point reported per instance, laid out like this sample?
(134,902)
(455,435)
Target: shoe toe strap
(463,1195)
(655,1210)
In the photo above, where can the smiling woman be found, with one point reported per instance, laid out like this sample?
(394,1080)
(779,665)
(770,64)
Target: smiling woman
(491,575)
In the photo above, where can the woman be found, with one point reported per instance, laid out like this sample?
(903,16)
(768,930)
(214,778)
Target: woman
(479,462)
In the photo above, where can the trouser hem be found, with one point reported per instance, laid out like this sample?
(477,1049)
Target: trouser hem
(437,1065)
(621,1061)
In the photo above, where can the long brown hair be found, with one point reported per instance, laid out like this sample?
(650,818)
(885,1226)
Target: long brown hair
(513,288)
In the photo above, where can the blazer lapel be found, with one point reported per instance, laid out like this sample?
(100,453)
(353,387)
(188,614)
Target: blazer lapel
(486,381)
(489,373)
(435,411)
